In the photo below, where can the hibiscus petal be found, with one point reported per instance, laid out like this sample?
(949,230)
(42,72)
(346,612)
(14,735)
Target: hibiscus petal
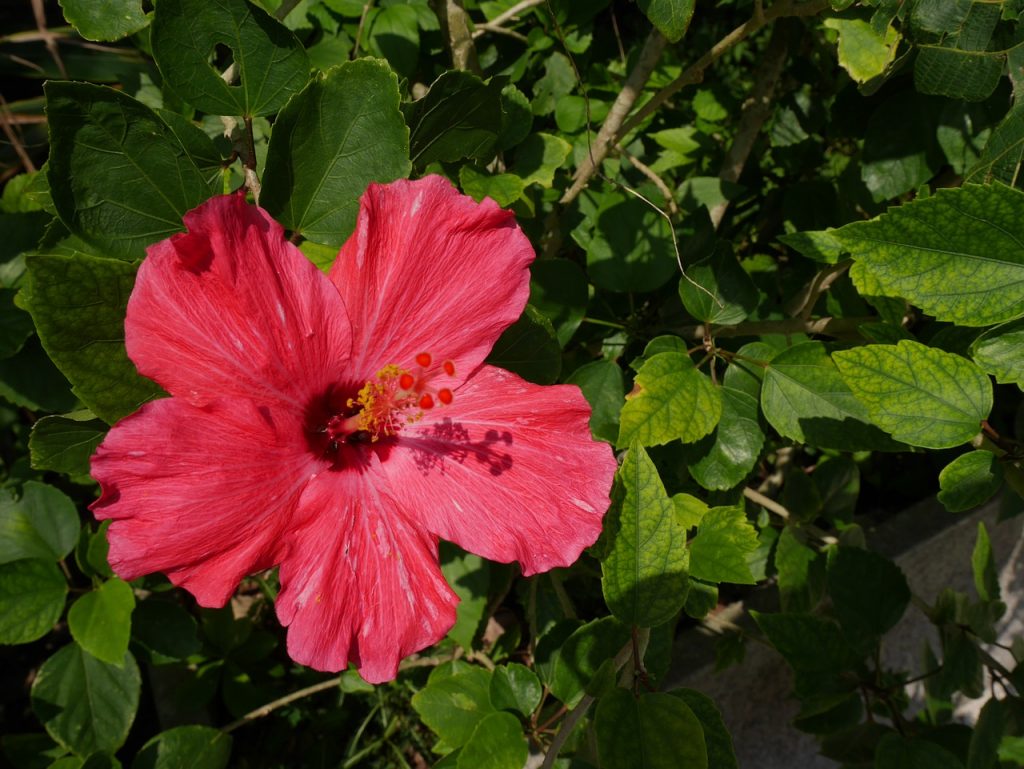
(509,471)
(360,583)
(201,493)
(232,308)
(430,270)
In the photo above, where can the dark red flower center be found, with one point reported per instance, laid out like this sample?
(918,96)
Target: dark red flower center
(380,408)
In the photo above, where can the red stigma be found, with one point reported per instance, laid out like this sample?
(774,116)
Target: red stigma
(427,402)
(445,396)
(423,359)
(449,368)
(406,381)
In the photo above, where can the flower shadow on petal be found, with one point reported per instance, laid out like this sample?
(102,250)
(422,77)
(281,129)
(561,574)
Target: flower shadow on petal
(462,448)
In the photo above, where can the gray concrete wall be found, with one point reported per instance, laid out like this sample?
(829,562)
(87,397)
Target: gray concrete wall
(933,547)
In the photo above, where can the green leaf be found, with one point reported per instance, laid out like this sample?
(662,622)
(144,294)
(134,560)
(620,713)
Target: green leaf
(896,752)
(516,118)
(943,70)
(515,687)
(31,599)
(958,255)
(671,17)
(145,184)
(558,289)
(459,117)
(105,19)
(30,750)
(645,572)
(1003,155)
(628,244)
(269,60)
(719,551)
(983,566)
(794,562)
(164,630)
(969,480)
(30,380)
(42,524)
(497,742)
(923,396)
(341,132)
(186,747)
(92,550)
(1011,749)
(529,348)
(716,735)
(469,575)
(78,303)
(821,245)
(863,52)
(805,398)
(101,621)
(602,386)
(1000,351)
(653,731)
(583,654)
(989,729)
(86,705)
(673,400)
(65,443)
(869,592)
(809,643)
(15,324)
(717,290)
(395,35)
(538,157)
(452,706)
(733,448)
(900,149)
(503,189)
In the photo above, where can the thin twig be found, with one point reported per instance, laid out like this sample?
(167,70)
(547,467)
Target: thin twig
(803,304)
(695,72)
(48,37)
(19,146)
(252,180)
(497,23)
(655,179)
(359,30)
(827,326)
(285,8)
(631,89)
(755,112)
(270,707)
(571,720)
(767,503)
(455,26)
(487,27)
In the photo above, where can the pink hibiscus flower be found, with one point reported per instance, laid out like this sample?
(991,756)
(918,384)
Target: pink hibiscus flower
(338,425)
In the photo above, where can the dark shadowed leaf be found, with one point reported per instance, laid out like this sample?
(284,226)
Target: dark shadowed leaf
(78,303)
(85,704)
(652,731)
(340,133)
(146,183)
(270,62)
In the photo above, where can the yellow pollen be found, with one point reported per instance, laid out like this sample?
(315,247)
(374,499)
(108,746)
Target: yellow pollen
(381,402)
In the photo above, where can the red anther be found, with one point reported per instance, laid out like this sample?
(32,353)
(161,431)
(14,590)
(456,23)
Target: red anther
(406,381)
(426,402)
(423,359)
(445,396)
(449,368)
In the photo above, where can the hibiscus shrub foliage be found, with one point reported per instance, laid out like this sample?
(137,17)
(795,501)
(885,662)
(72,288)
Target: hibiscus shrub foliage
(779,250)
